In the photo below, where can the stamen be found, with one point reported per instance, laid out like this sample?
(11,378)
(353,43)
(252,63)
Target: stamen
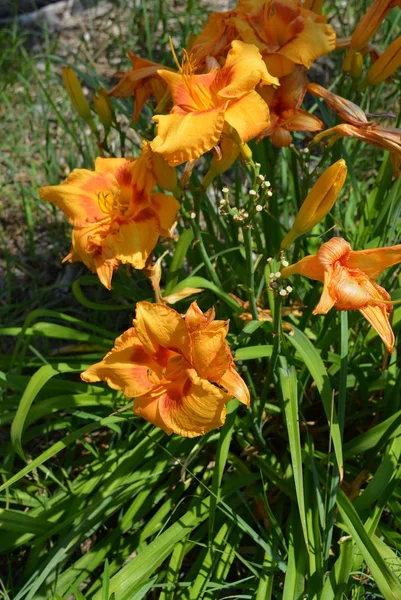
(109,202)
(173,53)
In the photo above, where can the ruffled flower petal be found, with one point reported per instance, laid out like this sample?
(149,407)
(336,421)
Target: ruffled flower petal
(159,326)
(127,367)
(314,40)
(211,357)
(133,241)
(379,320)
(327,300)
(147,407)
(195,318)
(235,385)
(243,70)
(183,137)
(195,408)
(166,208)
(78,195)
(374,260)
(310,267)
(249,116)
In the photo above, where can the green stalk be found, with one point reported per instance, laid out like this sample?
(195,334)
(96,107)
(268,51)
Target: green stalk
(274,356)
(250,272)
(343,370)
(205,257)
(342,393)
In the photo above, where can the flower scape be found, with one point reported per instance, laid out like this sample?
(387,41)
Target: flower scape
(241,222)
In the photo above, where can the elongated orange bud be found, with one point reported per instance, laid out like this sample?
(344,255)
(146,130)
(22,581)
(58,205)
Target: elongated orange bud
(318,202)
(367,27)
(385,65)
(103,108)
(77,97)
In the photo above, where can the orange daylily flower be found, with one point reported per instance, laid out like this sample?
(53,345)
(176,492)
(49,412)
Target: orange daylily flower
(215,38)
(367,27)
(286,114)
(141,82)
(180,371)
(349,284)
(205,106)
(117,217)
(285,33)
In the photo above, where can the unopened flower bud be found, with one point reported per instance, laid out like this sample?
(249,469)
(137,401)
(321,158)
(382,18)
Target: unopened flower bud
(366,28)
(385,65)
(77,97)
(318,202)
(104,108)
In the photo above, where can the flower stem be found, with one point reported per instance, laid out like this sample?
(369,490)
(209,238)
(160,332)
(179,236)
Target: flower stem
(273,359)
(343,370)
(205,257)
(250,272)
(333,484)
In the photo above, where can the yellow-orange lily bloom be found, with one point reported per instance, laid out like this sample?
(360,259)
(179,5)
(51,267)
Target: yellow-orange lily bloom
(349,284)
(206,105)
(385,65)
(318,202)
(285,33)
(367,27)
(116,216)
(286,114)
(141,82)
(180,371)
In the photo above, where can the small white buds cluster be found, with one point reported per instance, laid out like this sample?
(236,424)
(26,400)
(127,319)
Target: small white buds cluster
(240,215)
(275,279)
(265,186)
(224,205)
